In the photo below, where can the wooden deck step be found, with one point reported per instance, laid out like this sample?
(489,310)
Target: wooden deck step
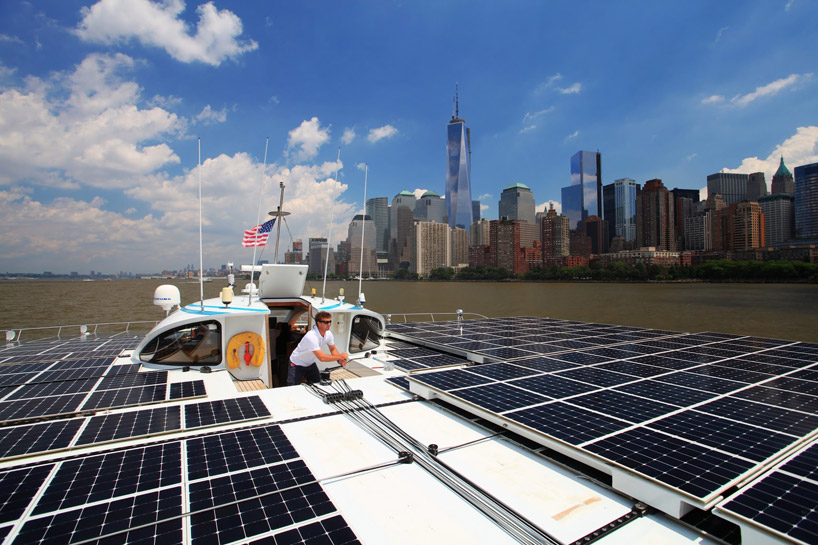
(249,385)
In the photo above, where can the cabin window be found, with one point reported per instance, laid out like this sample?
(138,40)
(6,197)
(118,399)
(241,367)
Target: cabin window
(190,344)
(366,334)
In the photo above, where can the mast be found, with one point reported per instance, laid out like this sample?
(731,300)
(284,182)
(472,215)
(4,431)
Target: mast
(363,230)
(258,216)
(201,250)
(331,220)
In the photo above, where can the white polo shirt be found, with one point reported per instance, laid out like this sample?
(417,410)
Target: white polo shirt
(303,353)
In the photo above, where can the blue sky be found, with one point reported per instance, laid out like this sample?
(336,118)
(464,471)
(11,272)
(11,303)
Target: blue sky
(103,105)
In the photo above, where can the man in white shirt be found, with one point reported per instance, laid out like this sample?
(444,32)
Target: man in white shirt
(303,360)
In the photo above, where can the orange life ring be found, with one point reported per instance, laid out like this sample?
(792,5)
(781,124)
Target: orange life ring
(247,347)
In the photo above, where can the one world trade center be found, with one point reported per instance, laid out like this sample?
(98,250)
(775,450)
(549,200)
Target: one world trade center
(458,172)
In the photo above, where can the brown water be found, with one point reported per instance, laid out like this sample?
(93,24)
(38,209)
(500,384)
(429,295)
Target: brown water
(786,311)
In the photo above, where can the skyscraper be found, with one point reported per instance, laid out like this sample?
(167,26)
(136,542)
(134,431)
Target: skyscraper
(583,197)
(624,220)
(783,181)
(806,201)
(654,217)
(407,200)
(431,207)
(458,171)
(756,186)
(517,203)
(732,187)
(779,224)
(377,208)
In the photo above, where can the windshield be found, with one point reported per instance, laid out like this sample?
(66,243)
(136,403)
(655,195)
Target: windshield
(191,344)
(366,334)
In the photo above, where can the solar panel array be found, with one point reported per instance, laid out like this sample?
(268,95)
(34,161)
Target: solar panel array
(698,413)
(217,488)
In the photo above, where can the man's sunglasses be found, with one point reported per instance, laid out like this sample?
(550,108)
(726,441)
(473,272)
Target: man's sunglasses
(324,321)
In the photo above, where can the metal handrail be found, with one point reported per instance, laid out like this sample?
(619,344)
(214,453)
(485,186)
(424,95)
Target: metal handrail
(83,328)
(461,315)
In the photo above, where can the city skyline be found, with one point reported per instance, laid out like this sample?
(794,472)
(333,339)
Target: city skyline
(101,120)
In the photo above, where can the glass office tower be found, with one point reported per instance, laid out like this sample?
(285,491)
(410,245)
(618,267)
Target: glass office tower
(806,202)
(583,197)
(625,209)
(458,174)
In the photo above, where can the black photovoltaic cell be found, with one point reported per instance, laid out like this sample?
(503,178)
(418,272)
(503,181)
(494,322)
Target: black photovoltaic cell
(40,406)
(25,368)
(234,451)
(440,359)
(499,397)
(399,382)
(33,438)
(701,382)
(123,369)
(765,416)
(111,427)
(506,352)
(16,379)
(627,407)
(330,531)
(132,380)
(782,502)
(69,374)
(735,437)
(676,363)
(805,464)
(221,411)
(184,390)
(636,370)
(80,363)
(545,364)
(242,505)
(407,365)
(781,398)
(695,469)
(502,371)
(451,379)
(111,475)
(125,397)
(553,386)
(597,377)
(18,486)
(154,517)
(730,373)
(794,385)
(43,389)
(666,393)
(571,424)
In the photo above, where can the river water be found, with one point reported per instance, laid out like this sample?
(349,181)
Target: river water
(785,311)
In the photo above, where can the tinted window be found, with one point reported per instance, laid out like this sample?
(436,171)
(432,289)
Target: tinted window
(366,334)
(191,344)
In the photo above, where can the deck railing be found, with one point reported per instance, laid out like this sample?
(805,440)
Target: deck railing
(14,334)
(423,316)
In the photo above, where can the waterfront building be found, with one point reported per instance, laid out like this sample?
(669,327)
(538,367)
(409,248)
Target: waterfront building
(404,199)
(460,247)
(517,203)
(597,231)
(319,253)
(647,257)
(783,181)
(401,245)
(579,244)
(296,253)
(377,208)
(731,186)
(583,197)
(475,211)
(458,171)
(806,202)
(555,237)
(739,227)
(529,234)
(361,237)
(623,219)
(504,247)
(479,233)
(655,217)
(479,255)
(342,258)
(431,207)
(432,248)
(756,186)
(683,205)
(779,218)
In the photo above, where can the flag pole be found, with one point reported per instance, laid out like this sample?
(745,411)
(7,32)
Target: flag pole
(258,219)
(201,250)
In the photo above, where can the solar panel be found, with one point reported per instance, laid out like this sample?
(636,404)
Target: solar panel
(17,486)
(43,389)
(188,389)
(111,427)
(208,413)
(131,380)
(34,438)
(125,397)
(40,407)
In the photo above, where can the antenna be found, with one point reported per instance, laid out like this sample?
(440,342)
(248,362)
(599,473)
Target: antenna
(201,259)
(363,224)
(258,220)
(331,220)
(457,99)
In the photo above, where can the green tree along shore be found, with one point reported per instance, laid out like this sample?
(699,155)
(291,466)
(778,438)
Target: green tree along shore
(711,271)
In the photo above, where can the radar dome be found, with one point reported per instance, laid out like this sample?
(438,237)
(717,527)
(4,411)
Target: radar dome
(166,296)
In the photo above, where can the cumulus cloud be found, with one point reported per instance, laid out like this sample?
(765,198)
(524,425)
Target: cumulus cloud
(572,135)
(159,25)
(348,136)
(713,99)
(799,149)
(83,127)
(571,89)
(544,207)
(305,140)
(209,116)
(387,131)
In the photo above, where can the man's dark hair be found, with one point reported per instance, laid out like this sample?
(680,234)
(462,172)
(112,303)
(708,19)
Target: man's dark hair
(323,315)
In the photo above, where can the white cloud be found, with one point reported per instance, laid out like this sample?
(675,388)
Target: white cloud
(305,140)
(419,192)
(531,116)
(83,127)
(799,149)
(159,25)
(484,196)
(387,131)
(528,129)
(571,90)
(209,116)
(789,5)
(348,136)
(713,99)
(361,166)
(544,207)
(690,157)
(572,135)
(720,33)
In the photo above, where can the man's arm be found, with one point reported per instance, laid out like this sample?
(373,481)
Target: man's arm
(335,356)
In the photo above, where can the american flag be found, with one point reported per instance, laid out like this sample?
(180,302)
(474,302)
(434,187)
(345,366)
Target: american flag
(257,236)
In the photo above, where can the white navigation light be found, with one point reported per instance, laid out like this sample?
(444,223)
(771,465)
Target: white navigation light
(227,295)
(361,299)
(166,296)
(10,336)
